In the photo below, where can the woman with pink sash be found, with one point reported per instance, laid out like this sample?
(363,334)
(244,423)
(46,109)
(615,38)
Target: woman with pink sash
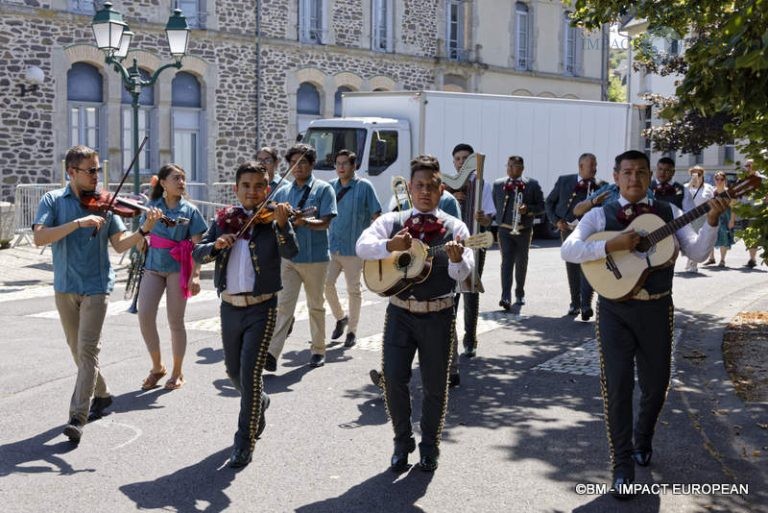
(169,269)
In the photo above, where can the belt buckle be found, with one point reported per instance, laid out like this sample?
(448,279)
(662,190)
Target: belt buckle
(642,295)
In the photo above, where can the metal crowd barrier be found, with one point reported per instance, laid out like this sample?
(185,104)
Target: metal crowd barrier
(26,200)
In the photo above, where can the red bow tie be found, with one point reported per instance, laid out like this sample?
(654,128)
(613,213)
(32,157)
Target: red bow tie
(583,185)
(514,185)
(232,220)
(665,189)
(628,212)
(424,227)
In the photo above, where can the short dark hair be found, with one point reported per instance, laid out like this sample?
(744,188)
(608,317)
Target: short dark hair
(425,163)
(346,153)
(631,155)
(462,147)
(269,150)
(516,160)
(250,166)
(587,156)
(309,153)
(77,154)
(666,160)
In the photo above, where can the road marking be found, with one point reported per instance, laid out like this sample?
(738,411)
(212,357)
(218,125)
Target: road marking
(121,307)
(302,314)
(137,432)
(27,293)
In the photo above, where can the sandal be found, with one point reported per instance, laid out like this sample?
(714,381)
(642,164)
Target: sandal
(175,383)
(153,378)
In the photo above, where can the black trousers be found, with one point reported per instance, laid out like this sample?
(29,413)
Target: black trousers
(431,335)
(471,305)
(632,331)
(246,332)
(581,291)
(514,259)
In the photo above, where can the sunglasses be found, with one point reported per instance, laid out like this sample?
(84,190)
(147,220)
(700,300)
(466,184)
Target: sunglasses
(91,170)
(719,179)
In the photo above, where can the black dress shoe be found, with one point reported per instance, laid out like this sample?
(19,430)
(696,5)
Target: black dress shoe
(317,360)
(270,364)
(428,463)
(573,310)
(239,458)
(376,378)
(621,488)
(351,340)
(399,461)
(454,380)
(587,314)
(339,329)
(98,405)
(74,430)
(506,305)
(520,301)
(641,457)
(262,417)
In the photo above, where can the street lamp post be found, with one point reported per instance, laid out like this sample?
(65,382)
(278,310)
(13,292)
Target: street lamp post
(114,38)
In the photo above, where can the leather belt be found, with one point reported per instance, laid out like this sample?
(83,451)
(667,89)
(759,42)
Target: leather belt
(414,306)
(643,295)
(243,300)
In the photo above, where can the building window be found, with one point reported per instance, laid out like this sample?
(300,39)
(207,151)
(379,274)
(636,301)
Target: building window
(647,127)
(522,37)
(674,47)
(382,14)
(571,46)
(146,128)
(193,11)
(186,103)
(312,22)
(337,100)
(85,97)
(698,158)
(729,153)
(85,6)
(455,30)
(307,105)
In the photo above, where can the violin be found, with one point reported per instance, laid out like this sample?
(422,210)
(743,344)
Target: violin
(102,201)
(267,214)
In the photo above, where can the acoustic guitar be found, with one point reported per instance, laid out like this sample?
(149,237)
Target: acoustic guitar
(403,269)
(621,274)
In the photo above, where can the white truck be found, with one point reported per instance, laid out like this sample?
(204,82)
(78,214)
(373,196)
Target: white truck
(387,129)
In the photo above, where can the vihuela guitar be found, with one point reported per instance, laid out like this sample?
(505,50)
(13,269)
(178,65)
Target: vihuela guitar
(622,274)
(402,269)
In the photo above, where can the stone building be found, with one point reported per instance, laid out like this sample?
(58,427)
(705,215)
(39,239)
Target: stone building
(258,71)
(640,83)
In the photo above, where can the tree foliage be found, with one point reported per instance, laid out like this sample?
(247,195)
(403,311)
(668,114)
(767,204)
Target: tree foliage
(724,74)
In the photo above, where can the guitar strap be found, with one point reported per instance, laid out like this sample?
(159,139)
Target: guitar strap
(304,197)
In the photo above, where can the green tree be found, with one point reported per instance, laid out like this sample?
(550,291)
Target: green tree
(616,90)
(725,73)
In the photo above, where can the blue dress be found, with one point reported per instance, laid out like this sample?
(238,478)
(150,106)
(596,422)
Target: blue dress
(724,234)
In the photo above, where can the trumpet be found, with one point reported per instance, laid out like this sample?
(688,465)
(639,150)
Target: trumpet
(135,273)
(400,188)
(516,214)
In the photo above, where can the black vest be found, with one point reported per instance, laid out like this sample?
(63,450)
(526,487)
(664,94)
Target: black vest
(265,258)
(439,283)
(659,280)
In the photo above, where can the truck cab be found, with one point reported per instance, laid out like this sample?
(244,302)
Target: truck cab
(382,146)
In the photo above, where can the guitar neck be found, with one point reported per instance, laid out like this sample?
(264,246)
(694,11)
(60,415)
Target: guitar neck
(674,225)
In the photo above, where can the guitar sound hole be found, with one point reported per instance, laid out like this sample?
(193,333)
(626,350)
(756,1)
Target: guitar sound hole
(643,246)
(404,260)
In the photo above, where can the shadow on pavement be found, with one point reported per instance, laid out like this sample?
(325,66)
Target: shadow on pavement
(27,456)
(181,491)
(386,492)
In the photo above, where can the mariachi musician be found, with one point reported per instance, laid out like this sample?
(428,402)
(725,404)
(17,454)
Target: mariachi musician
(518,199)
(420,318)
(477,210)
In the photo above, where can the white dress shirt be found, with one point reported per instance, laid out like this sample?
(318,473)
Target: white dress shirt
(372,244)
(240,274)
(577,249)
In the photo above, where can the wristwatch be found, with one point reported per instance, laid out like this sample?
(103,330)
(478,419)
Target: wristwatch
(142,232)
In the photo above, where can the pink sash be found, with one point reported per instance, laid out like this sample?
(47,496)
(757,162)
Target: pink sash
(181,251)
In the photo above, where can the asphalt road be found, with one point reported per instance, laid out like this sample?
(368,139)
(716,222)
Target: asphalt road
(523,430)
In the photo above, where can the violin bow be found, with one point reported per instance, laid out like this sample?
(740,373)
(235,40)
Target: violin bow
(247,225)
(120,185)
